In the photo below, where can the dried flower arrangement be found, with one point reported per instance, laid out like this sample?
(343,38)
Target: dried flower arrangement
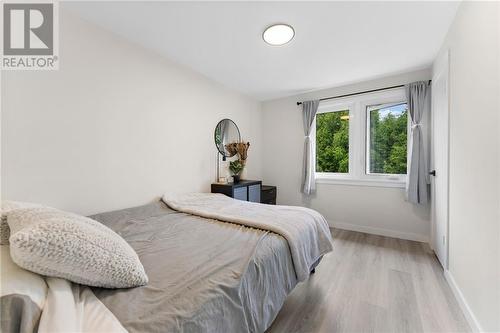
(231,149)
(240,149)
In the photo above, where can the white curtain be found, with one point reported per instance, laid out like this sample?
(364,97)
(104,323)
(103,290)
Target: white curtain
(309,109)
(418,97)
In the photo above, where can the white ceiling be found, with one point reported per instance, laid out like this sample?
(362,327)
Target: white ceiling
(335,42)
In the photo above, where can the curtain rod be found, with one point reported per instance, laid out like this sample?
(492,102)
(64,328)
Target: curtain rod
(360,92)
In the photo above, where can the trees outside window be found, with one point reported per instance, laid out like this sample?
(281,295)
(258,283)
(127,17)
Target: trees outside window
(332,142)
(387,139)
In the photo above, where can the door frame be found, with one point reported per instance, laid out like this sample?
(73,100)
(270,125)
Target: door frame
(441,67)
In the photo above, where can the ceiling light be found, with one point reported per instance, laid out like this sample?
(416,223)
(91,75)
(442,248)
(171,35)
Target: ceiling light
(278,34)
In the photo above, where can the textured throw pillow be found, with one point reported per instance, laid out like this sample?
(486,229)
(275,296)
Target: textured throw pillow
(9,206)
(51,242)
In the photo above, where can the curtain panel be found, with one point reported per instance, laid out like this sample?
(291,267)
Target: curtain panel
(418,97)
(309,109)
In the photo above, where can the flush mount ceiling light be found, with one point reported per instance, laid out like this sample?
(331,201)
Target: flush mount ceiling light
(278,34)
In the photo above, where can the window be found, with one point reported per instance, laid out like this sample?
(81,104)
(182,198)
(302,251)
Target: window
(387,127)
(362,139)
(332,142)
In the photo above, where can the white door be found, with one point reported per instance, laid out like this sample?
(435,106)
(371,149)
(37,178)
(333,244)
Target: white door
(439,159)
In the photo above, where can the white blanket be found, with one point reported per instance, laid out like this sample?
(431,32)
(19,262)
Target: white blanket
(72,307)
(50,304)
(305,230)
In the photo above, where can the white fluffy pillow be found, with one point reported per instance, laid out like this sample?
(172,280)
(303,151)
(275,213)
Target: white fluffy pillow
(65,245)
(9,206)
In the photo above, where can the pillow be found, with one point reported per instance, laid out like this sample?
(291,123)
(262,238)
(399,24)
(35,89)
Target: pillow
(8,206)
(65,245)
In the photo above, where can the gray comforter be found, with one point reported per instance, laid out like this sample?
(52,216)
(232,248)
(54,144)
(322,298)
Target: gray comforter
(305,230)
(205,275)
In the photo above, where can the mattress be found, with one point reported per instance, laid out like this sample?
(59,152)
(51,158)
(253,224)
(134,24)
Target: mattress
(204,275)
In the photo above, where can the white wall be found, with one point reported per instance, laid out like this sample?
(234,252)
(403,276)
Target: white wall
(116,126)
(378,210)
(474,212)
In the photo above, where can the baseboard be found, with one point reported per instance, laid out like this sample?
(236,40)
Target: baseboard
(379,231)
(469,315)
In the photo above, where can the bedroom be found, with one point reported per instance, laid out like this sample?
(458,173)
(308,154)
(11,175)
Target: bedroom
(127,116)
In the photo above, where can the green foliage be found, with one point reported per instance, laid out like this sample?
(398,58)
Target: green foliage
(388,142)
(388,137)
(332,142)
(236,167)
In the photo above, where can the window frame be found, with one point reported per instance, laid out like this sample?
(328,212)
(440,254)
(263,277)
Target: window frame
(358,139)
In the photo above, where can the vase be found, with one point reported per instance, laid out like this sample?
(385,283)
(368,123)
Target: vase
(236,179)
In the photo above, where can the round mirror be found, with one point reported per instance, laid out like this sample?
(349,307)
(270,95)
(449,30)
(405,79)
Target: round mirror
(226,132)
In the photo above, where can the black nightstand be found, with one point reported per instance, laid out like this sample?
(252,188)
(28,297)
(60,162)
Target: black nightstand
(246,190)
(268,195)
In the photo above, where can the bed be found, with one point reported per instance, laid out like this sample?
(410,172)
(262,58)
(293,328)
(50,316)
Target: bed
(232,286)
(205,275)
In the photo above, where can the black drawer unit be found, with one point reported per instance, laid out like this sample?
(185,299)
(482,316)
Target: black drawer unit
(268,195)
(246,190)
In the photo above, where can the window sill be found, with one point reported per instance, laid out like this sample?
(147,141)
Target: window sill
(332,180)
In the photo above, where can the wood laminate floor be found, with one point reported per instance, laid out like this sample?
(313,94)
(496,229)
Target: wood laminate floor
(373,284)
